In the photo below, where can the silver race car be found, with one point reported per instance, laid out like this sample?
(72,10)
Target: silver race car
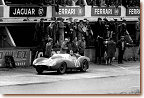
(61,62)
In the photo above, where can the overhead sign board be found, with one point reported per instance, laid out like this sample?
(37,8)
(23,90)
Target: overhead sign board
(69,12)
(28,11)
(21,56)
(133,12)
(105,11)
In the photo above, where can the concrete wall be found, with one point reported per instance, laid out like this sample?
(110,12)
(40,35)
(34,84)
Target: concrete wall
(129,53)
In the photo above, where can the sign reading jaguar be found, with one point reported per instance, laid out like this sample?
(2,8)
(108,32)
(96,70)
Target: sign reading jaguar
(28,11)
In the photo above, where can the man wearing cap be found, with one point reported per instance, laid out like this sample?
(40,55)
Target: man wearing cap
(121,49)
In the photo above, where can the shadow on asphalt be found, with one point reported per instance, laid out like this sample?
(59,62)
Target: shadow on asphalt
(68,72)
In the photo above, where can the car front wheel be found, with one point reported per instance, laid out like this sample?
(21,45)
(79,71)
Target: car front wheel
(39,70)
(85,66)
(62,68)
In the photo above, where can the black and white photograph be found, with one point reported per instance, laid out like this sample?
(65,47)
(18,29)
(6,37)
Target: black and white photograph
(70,47)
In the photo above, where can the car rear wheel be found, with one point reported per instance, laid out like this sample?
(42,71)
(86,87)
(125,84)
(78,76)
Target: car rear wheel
(62,68)
(39,70)
(85,66)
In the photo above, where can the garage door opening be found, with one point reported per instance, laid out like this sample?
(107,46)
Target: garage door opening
(23,35)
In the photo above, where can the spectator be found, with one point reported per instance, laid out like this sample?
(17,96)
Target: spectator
(108,3)
(81,46)
(75,45)
(138,31)
(102,3)
(65,47)
(80,30)
(80,2)
(62,2)
(121,49)
(98,35)
(55,32)
(49,30)
(39,35)
(70,29)
(61,31)
(96,3)
(75,29)
(89,33)
(110,49)
(89,2)
(49,2)
(49,44)
(69,2)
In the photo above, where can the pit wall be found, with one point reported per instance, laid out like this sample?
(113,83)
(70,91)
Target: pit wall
(130,53)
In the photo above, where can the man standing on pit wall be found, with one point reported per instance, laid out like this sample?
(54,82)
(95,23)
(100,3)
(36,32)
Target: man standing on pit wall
(39,35)
(75,29)
(70,29)
(80,30)
(61,26)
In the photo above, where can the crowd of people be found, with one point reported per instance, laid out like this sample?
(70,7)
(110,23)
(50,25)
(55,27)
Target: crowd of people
(70,35)
(73,35)
(131,3)
(107,3)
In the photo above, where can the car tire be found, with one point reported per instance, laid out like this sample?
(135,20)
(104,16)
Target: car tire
(62,68)
(84,66)
(39,70)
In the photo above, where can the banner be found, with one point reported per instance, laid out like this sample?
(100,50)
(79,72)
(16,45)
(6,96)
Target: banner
(69,12)
(21,56)
(133,12)
(105,11)
(28,11)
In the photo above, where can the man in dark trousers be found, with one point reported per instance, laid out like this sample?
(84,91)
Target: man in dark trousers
(99,30)
(121,49)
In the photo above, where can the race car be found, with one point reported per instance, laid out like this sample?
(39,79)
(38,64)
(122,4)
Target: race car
(61,63)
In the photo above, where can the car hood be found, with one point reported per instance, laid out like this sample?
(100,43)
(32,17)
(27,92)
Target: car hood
(45,61)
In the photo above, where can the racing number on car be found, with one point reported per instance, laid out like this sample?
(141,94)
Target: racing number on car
(77,63)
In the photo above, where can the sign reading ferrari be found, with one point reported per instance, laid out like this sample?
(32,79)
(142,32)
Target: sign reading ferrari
(133,12)
(28,11)
(21,56)
(69,11)
(105,11)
